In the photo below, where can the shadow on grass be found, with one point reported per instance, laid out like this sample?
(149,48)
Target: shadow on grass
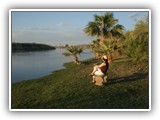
(122,58)
(133,77)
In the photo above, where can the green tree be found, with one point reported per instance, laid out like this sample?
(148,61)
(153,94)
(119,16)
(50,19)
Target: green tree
(104,26)
(141,29)
(73,51)
(137,41)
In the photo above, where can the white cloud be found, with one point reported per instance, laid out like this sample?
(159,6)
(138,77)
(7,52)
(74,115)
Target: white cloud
(73,36)
(41,28)
(133,15)
(73,32)
(60,24)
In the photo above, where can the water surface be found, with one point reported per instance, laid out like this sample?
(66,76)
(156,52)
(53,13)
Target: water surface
(29,65)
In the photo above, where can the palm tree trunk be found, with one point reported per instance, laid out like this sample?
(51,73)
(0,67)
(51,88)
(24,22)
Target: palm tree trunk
(97,55)
(110,59)
(102,34)
(76,60)
(102,38)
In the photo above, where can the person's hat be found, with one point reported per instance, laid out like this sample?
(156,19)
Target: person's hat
(104,57)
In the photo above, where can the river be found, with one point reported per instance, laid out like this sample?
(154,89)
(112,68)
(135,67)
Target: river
(29,65)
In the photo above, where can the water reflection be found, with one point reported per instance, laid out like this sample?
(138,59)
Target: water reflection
(36,64)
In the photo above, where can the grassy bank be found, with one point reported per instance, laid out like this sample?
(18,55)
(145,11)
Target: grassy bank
(70,88)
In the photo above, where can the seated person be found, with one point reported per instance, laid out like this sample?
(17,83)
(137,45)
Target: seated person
(100,70)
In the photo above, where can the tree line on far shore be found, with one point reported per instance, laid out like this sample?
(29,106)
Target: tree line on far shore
(24,47)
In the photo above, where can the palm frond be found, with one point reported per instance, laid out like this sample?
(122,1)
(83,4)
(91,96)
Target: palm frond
(102,26)
(117,31)
(73,50)
(92,29)
(67,53)
(109,20)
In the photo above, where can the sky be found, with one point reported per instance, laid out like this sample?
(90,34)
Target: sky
(61,28)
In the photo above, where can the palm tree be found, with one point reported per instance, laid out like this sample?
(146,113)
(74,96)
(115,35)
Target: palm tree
(104,26)
(73,51)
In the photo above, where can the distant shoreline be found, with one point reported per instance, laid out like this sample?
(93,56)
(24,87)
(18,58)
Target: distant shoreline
(28,47)
(85,46)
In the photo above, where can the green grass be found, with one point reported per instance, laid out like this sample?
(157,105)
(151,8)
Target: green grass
(70,88)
